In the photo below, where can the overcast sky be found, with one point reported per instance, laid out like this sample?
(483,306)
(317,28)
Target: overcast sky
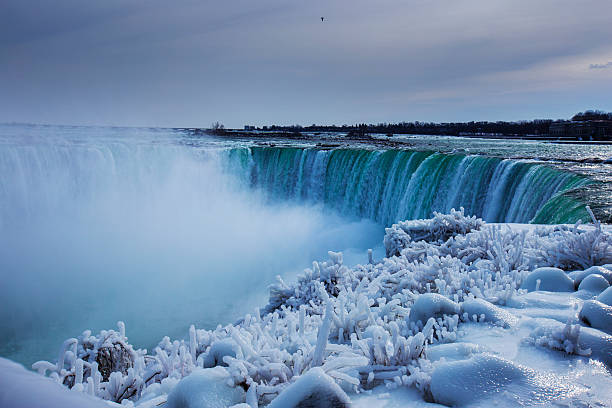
(193,62)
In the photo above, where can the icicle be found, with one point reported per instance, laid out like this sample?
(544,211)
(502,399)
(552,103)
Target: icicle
(192,343)
(60,361)
(251,396)
(322,337)
(302,317)
(78,371)
(121,326)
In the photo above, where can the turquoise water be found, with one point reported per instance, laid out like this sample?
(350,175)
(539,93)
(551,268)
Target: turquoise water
(392,185)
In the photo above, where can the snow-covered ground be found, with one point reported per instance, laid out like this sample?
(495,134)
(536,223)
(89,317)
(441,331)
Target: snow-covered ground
(459,313)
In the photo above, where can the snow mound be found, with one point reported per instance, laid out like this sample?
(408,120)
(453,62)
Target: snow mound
(597,315)
(20,388)
(467,382)
(206,388)
(594,284)
(430,305)
(578,276)
(313,389)
(548,279)
(606,296)
(462,382)
(491,313)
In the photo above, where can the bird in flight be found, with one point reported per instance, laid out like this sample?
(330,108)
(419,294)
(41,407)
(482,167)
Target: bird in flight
(322,18)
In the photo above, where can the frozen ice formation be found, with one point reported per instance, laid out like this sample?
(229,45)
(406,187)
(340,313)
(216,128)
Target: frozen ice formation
(549,279)
(340,330)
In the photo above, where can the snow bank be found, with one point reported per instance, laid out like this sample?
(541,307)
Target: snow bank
(356,328)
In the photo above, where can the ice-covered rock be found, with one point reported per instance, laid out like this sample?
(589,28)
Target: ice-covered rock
(548,279)
(492,313)
(206,388)
(606,296)
(432,305)
(578,276)
(594,284)
(597,315)
(313,389)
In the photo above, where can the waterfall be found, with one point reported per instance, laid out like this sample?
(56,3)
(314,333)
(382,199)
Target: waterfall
(392,185)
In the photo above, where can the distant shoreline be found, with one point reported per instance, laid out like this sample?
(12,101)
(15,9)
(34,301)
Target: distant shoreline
(378,137)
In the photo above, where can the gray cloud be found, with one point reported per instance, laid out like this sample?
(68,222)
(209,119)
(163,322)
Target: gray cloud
(192,62)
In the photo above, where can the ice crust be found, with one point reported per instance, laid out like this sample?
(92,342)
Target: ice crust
(394,322)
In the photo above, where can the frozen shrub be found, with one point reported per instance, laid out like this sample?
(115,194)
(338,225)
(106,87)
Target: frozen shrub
(437,229)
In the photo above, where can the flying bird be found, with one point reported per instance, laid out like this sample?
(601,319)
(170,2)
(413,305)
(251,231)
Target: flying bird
(322,18)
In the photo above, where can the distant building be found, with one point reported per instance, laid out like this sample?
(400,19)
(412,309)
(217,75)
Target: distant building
(248,127)
(583,129)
